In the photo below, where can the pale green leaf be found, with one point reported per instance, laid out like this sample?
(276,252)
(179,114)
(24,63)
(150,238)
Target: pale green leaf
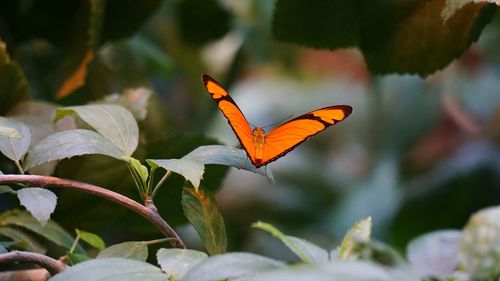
(27,241)
(232,266)
(71,143)
(9,132)
(226,155)
(200,208)
(15,147)
(92,239)
(140,169)
(136,250)
(305,250)
(111,269)
(77,258)
(177,262)
(360,232)
(5,189)
(112,121)
(191,170)
(38,201)
(51,231)
(3,250)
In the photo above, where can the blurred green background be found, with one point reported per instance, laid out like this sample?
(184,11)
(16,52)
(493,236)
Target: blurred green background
(419,153)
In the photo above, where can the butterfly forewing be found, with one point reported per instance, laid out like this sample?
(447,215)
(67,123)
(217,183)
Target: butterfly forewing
(233,114)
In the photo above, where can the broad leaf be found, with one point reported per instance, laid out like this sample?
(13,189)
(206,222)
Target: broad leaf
(305,250)
(5,189)
(360,232)
(26,241)
(91,239)
(15,147)
(13,82)
(232,266)
(111,269)
(226,155)
(177,262)
(77,258)
(51,231)
(9,132)
(71,143)
(435,254)
(191,170)
(130,250)
(39,202)
(201,210)
(112,121)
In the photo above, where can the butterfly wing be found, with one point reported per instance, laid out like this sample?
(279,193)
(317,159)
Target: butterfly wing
(287,136)
(233,114)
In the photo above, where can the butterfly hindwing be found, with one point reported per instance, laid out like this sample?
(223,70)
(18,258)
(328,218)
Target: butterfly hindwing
(233,114)
(287,136)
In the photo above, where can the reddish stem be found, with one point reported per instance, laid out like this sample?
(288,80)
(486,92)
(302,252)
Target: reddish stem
(149,212)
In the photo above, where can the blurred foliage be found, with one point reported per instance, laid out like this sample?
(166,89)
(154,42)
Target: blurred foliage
(417,154)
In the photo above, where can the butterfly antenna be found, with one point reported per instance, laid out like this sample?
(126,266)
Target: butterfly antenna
(279,122)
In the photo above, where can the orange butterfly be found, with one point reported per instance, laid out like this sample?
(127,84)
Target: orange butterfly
(263,148)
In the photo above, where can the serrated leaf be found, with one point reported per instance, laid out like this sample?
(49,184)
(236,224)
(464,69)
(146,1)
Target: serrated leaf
(15,147)
(191,170)
(71,143)
(92,239)
(226,155)
(112,121)
(141,170)
(305,250)
(111,269)
(177,262)
(17,235)
(136,250)
(232,266)
(38,201)
(75,258)
(13,82)
(200,208)
(360,232)
(435,254)
(51,231)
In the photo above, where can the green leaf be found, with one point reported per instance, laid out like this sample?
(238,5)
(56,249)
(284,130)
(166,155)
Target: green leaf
(326,24)
(71,143)
(29,243)
(112,121)
(77,258)
(5,189)
(51,231)
(3,250)
(15,147)
(136,250)
(13,82)
(360,232)
(38,201)
(391,28)
(195,15)
(141,170)
(226,155)
(435,255)
(305,250)
(232,266)
(177,262)
(200,208)
(92,239)
(111,269)
(191,170)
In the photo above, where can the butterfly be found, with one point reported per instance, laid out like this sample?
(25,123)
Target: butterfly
(263,148)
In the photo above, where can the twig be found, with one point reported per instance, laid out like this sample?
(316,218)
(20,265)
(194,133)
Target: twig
(149,211)
(53,266)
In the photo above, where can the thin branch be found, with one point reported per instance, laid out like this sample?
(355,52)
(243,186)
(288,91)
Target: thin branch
(149,211)
(53,266)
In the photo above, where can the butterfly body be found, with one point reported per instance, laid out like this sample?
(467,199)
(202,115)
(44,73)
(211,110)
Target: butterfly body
(263,148)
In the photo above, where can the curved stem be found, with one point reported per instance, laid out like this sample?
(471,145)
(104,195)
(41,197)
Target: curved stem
(53,266)
(149,211)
